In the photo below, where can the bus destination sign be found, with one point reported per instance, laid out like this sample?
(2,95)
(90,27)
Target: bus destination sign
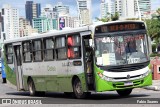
(119,27)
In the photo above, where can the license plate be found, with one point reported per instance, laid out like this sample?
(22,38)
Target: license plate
(128,83)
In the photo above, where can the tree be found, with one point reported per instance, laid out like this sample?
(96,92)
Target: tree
(153,28)
(158,12)
(103,19)
(115,16)
(109,17)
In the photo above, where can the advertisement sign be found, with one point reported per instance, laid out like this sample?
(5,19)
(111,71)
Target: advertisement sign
(61,23)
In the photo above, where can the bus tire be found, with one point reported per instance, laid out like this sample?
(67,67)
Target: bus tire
(31,87)
(77,89)
(125,92)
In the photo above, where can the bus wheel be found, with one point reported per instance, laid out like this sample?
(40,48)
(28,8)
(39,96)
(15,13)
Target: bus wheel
(77,89)
(125,92)
(31,87)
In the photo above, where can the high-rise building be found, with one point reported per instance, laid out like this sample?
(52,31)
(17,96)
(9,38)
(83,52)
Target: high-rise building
(33,10)
(43,24)
(67,21)
(118,7)
(103,9)
(144,7)
(25,28)
(76,22)
(55,24)
(84,12)
(107,7)
(10,23)
(128,8)
(133,8)
(49,12)
(61,9)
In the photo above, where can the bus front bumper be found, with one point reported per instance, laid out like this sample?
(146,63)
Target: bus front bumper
(103,85)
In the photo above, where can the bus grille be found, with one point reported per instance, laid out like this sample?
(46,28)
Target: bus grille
(117,78)
(126,69)
(121,84)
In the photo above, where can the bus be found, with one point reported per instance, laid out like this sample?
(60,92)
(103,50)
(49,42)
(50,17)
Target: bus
(110,56)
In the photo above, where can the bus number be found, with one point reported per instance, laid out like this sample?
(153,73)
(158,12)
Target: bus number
(133,60)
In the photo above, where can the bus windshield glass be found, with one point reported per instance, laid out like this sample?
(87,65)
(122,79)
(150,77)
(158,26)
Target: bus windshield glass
(121,49)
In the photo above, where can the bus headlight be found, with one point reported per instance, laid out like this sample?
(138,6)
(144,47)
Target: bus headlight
(145,74)
(108,78)
(105,77)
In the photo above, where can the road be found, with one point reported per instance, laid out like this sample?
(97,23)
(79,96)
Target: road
(110,98)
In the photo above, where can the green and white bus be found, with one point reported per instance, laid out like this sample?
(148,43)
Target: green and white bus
(112,56)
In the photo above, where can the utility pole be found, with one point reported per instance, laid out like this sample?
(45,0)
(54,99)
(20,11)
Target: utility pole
(139,12)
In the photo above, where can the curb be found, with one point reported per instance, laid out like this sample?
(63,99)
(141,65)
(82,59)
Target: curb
(154,88)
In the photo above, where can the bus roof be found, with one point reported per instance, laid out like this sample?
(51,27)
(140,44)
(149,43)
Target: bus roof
(48,34)
(112,22)
(67,31)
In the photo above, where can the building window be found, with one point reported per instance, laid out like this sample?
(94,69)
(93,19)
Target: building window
(48,49)
(74,46)
(158,69)
(9,53)
(37,50)
(61,48)
(27,51)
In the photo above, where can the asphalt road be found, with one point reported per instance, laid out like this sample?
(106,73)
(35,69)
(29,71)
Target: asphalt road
(138,97)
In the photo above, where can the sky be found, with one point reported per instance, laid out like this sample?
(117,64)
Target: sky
(20,4)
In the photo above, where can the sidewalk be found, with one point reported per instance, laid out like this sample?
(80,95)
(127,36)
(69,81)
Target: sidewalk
(155,86)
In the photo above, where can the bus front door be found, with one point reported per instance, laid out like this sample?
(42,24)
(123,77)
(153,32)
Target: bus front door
(18,66)
(88,62)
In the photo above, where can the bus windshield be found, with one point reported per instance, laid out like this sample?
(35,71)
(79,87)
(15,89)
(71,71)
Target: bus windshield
(121,49)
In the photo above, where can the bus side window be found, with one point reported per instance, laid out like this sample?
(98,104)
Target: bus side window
(70,41)
(74,47)
(61,48)
(48,49)
(70,53)
(70,50)
(9,53)
(37,50)
(27,51)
